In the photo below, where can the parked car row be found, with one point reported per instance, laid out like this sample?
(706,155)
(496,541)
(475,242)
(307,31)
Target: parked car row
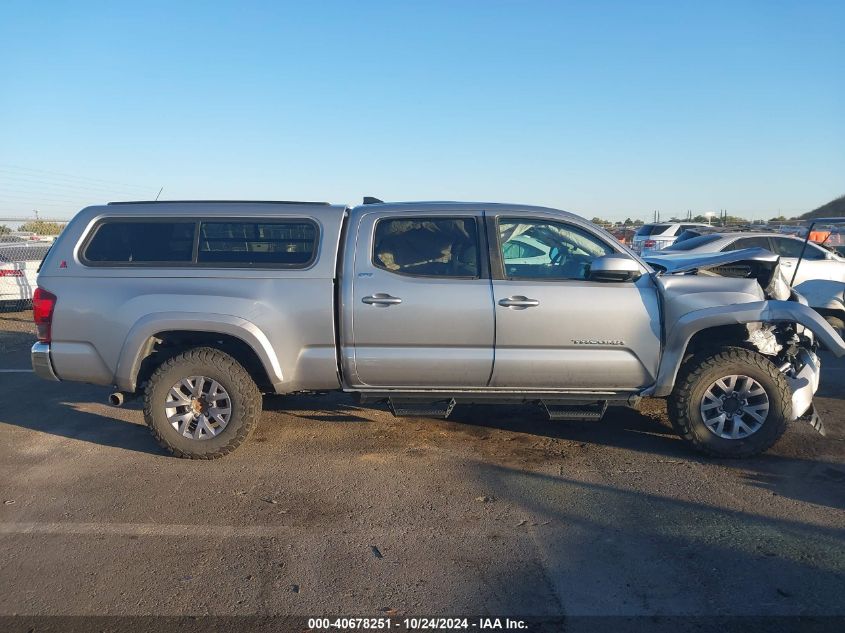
(19,262)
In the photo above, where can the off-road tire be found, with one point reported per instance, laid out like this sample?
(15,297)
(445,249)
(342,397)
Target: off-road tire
(701,371)
(210,362)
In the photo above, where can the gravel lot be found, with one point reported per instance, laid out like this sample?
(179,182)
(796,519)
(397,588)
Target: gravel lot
(336,509)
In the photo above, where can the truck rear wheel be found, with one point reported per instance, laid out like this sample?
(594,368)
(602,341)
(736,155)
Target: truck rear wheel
(730,403)
(201,404)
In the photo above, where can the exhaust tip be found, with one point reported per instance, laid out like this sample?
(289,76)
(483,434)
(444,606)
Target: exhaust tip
(116,399)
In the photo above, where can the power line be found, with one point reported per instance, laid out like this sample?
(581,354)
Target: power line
(29,182)
(72,177)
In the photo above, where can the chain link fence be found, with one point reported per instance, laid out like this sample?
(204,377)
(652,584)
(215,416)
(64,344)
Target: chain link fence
(20,257)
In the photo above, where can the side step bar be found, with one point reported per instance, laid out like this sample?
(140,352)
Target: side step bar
(592,412)
(403,408)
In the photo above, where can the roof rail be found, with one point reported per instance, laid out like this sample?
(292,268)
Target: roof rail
(218,201)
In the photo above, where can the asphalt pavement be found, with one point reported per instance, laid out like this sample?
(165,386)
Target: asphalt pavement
(334,508)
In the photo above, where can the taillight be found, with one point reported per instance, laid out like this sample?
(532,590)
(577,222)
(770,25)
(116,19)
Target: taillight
(43,304)
(5,272)
(649,244)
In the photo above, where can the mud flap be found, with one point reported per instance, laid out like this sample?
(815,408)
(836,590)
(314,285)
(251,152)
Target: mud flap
(812,416)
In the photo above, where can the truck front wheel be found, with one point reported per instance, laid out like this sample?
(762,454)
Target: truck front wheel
(730,403)
(201,404)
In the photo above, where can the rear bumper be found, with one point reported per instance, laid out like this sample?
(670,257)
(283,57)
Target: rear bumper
(42,365)
(805,383)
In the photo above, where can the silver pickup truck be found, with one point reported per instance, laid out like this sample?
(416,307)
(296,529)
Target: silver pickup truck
(202,306)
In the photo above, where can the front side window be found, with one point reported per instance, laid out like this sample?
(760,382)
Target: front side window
(429,247)
(142,242)
(786,247)
(257,243)
(565,252)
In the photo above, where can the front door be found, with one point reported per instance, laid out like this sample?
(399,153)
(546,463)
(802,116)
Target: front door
(422,310)
(814,265)
(555,329)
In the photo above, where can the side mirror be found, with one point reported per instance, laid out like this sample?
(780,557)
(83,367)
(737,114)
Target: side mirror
(614,268)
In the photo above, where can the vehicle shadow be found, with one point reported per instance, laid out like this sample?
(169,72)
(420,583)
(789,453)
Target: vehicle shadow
(789,469)
(51,412)
(328,407)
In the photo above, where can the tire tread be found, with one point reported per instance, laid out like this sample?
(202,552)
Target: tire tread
(679,404)
(243,382)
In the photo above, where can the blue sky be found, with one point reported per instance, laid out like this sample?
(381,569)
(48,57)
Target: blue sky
(602,108)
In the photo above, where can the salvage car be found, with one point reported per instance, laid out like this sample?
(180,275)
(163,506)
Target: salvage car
(202,306)
(816,272)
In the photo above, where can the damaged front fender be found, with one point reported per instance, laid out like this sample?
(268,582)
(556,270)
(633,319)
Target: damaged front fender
(686,326)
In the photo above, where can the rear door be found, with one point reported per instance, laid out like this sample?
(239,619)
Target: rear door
(557,330)
(421,303)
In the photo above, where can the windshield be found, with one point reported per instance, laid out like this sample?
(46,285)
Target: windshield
(692,243)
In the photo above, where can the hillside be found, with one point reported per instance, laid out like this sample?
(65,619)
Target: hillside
(833,209)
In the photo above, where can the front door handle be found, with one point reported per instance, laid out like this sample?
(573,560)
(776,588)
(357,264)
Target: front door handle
(381,299)
(518,302)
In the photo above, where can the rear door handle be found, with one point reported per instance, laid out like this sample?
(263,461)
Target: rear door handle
(381,299)
(518,302)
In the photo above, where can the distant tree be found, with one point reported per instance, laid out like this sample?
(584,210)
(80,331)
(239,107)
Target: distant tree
(780,218)
(627,222)
(4,230)
(42,227)
(700,219)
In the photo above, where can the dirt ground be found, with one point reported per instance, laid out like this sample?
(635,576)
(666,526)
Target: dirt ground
(333,508)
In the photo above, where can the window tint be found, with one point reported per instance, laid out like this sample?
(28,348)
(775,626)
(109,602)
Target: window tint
(124,242)
(431,247)
(566,251)
(260,243)
(748,242)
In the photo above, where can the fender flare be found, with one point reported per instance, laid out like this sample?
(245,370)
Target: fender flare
(133,350)
(687,326)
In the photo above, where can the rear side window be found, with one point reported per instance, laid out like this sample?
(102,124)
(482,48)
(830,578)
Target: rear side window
(429,247)
(142,242)
(290,244)
(652,229)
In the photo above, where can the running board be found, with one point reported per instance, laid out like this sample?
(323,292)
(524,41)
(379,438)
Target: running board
(402,408)
(592,412)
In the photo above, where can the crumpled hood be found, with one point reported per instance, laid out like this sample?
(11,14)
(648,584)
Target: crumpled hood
(685,262)
(748,263)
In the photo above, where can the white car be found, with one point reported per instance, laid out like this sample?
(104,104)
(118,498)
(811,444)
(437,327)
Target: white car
(820,277)
(19,262)
(524,249)
(655,237)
